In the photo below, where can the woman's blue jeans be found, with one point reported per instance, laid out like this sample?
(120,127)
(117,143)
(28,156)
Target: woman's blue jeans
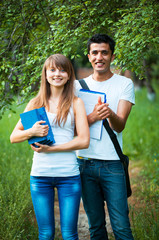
(105,181)
(69,194)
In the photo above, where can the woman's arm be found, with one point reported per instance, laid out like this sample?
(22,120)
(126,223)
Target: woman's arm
(80,141)
(20,135)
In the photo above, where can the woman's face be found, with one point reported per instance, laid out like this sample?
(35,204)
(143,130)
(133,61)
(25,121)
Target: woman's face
(56,77)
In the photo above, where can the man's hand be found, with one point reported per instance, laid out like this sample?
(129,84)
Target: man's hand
(117,120)
(100,112)
(103,110)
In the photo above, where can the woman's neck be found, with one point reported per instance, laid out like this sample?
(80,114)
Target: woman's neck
(56,92)
(54,99)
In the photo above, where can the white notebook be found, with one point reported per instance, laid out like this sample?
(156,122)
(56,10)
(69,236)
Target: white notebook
(90,99)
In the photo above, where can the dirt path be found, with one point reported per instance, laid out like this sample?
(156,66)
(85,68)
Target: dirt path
(82,222)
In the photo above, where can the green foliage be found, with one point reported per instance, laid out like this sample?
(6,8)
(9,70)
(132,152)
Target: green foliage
(137,35)
(30,31)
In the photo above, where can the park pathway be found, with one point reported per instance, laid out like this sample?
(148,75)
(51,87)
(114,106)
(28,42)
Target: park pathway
(82,222)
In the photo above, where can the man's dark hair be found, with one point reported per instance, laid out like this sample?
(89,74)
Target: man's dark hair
(101,38)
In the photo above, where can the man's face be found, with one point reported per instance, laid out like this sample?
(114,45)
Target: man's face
(100,56)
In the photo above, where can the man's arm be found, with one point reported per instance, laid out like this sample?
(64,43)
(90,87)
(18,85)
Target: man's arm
(117,120)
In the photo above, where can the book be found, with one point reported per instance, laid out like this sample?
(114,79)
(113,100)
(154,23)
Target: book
(90,99)
(29,118)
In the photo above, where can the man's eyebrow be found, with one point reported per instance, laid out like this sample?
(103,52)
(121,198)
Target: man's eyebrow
(99,51)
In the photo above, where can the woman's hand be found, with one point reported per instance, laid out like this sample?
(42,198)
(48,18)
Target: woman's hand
(40,130)
(41,147)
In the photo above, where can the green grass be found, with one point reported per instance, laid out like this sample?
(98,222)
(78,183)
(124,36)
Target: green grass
(141,133)
(140,143)
(17,220)
(141,138)
(16,212)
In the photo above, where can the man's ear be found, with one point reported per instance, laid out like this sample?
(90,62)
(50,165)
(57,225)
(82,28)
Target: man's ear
(113,57)
(88,55)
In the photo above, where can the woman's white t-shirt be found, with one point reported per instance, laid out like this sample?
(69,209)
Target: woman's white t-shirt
(57,164)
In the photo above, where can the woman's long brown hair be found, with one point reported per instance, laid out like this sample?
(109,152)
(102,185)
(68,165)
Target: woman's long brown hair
(66,99)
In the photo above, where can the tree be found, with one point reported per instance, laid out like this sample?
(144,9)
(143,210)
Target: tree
(32,30)
(137,40)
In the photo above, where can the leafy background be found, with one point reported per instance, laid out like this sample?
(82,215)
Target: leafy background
(30,31)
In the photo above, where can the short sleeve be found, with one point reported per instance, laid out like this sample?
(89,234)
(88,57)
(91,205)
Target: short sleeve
(128,92)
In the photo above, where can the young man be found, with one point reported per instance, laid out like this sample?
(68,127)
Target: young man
(102,173)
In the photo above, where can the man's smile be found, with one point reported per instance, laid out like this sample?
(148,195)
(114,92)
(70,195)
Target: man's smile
(99,64)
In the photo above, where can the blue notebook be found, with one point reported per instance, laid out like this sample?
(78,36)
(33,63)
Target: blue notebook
(29,118)
(90,98)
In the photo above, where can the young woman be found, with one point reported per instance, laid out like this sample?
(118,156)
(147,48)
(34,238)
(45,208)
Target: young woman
(56,166)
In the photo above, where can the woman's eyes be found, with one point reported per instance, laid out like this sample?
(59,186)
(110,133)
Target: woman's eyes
(53,70)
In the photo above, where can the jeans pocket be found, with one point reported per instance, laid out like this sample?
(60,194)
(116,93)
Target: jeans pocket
(115,168)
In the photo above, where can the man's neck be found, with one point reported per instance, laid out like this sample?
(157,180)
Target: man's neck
(100,77)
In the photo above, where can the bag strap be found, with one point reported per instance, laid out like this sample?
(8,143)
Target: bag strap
(83,84)
(112,135)
(114,139)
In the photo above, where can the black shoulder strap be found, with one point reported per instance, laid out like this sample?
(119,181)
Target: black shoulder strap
(114,139)
(83,84)
(112,135)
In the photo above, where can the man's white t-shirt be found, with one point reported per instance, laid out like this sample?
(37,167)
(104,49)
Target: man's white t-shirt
(115,88)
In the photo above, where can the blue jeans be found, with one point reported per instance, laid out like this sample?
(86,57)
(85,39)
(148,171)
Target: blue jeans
(69,194)
(105,181)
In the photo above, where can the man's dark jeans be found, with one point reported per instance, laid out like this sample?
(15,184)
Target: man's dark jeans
(105,180)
